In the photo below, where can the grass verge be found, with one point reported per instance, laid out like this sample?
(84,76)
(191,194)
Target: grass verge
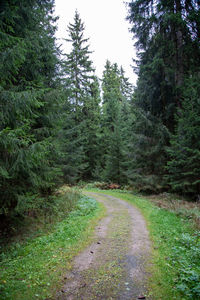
(175,265)
(34,269)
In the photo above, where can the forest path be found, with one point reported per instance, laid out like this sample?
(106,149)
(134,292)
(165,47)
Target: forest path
(113,266)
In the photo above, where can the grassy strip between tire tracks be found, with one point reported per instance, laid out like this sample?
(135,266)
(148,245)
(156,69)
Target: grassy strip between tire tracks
(175,264)
(34,270)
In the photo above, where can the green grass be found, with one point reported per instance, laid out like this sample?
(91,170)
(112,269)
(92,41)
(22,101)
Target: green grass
(175,264)
(34,269)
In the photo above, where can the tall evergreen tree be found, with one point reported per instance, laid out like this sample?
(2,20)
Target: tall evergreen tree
(146,152)
(184,151)
(28,57)
(166,34)
(92,128)
(84,98)
(77,67)
(117,93)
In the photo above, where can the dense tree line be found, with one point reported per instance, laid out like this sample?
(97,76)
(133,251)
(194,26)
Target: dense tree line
(165,141)
(60,123)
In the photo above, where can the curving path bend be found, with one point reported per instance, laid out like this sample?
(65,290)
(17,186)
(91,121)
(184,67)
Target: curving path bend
(114,265)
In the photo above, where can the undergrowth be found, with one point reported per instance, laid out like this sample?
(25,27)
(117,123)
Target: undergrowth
(33,269)
(183,207)
(175,272)
(32,216)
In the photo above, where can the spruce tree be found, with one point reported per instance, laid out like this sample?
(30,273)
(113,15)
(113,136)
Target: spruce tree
(165,31)
(146,152)
(82,88)
(92,128)
(184,150)
(117,93)
(28,57)
(77,67)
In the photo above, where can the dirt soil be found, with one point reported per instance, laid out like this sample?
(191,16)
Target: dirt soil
(114,265)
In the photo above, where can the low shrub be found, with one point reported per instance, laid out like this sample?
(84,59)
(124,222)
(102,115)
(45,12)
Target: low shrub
(63,201)
(33,211)
(103,185)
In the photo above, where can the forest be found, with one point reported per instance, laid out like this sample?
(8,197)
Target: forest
(62,128)
(61,124)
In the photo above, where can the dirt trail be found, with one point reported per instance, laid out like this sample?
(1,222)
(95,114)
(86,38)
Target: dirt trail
(113,267)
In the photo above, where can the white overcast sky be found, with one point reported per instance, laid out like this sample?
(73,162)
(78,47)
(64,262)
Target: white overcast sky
(106,28)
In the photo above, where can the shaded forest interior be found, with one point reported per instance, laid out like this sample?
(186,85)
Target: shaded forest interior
(59,123)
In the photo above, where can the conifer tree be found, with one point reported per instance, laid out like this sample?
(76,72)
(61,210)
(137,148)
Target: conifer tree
(77,67)
(166,31)
(92,128)
(116,154)
(117,92)
(110,112)
(84,98)
(184,151)
(146,152)
(28,64)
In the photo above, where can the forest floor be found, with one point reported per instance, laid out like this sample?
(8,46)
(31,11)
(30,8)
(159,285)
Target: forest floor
(115,265)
